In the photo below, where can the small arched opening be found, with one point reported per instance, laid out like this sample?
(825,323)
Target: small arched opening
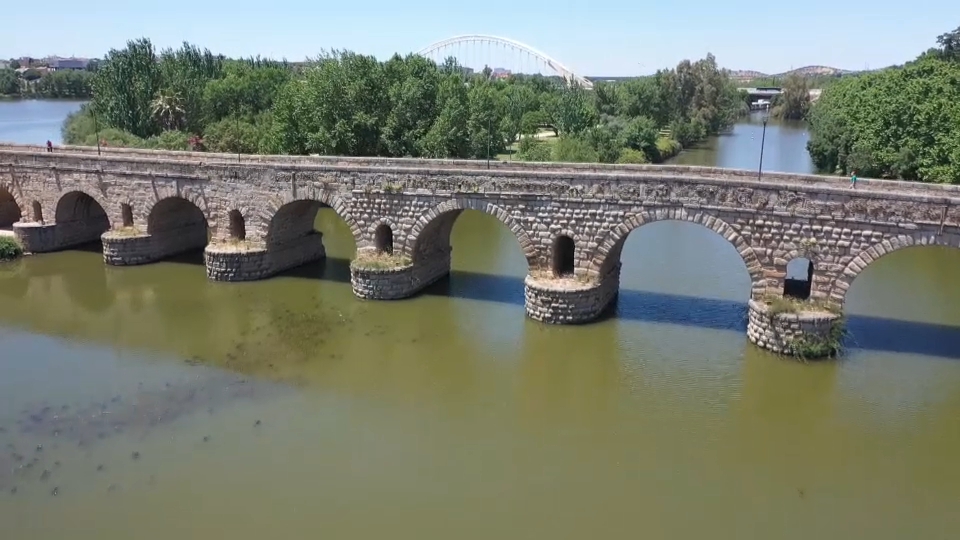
(126,215)
(238,226)
(37,212)
(562,256)
(9,209)
(798,282)
(383,239)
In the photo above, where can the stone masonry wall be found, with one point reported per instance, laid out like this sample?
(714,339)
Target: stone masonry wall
(778,332)
(229,263)
(567,301)
(397,283)
(126,250)
(767,223)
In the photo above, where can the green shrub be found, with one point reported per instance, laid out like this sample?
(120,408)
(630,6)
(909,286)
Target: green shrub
(666,149)
(168,140)
(9,248)
(574,150)
(530,149)
(631,156)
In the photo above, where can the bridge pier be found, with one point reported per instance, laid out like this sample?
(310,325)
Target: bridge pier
(239,261)
(570,300)
(394,283)
(805,334)
(44,238)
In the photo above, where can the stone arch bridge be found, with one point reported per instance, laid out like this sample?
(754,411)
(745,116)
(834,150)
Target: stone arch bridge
(254,216)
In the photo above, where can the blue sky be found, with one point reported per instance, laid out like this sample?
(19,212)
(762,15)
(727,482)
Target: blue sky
(616,37)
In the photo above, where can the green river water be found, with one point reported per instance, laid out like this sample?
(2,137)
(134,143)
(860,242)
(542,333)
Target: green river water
(149,403)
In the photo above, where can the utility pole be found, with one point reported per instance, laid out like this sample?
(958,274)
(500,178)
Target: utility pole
(763,139)
(236,114)
(489,136)
(96,123)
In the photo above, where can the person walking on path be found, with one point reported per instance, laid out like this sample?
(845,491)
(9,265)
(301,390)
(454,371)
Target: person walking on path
(853,180)
(49,146)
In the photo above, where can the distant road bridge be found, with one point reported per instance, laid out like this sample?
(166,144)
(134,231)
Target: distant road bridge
(452,45)
(770,92)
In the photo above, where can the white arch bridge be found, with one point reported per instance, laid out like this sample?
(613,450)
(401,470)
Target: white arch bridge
(454,46)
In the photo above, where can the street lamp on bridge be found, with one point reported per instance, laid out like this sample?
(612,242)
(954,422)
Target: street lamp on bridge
(763,139)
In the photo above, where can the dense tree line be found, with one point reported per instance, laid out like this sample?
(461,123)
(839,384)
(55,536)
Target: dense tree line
(345,103)
(901,122)
(53,84)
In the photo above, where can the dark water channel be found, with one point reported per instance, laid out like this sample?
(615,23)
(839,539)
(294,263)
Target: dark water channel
(147,402)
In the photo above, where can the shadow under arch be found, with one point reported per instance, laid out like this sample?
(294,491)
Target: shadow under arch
(610,244)
(10,210)
(430,235)
(80,219)
(178,230)
(295,239)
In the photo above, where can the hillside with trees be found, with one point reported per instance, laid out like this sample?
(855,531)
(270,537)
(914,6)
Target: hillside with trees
(343,103)
(901,122)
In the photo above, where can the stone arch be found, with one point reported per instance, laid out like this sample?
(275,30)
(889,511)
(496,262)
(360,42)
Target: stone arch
(194,196)
(440,219)
(864,258)
(320,198)
(80,219)
(610,243)
(11,211)
(176,225)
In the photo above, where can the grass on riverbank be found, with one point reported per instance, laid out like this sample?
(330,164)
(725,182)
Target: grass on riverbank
(10,249)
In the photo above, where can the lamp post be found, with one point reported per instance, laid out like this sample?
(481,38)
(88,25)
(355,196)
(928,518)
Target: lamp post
(763,139)
(489,136)
(96,124)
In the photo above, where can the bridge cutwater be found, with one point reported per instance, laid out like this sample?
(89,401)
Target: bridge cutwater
(570,220)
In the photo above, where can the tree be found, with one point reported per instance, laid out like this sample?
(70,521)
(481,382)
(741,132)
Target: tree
(519,101)
(9,83)
(486,139)
(900,122)
(572,111)
(125,86)
(449,136)
(168,110)
(950,44)
(794,99)
(413,86)
(14,64)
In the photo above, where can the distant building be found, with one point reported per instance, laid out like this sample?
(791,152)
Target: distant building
(4,64)
(501,73)
(57,64)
